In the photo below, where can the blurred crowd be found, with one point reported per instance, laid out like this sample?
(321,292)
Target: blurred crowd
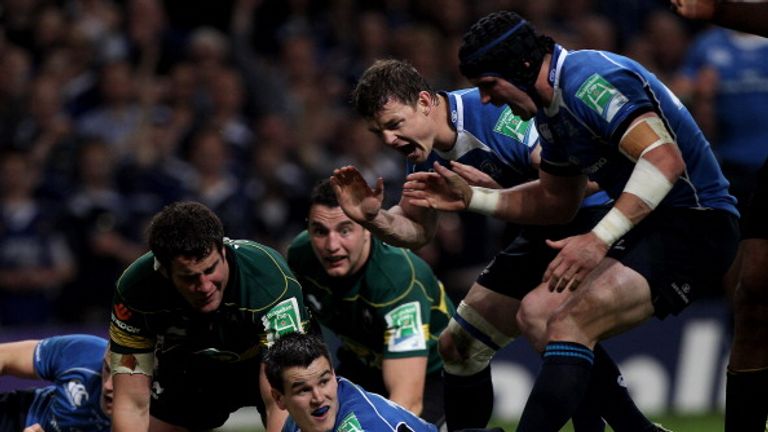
(110,109)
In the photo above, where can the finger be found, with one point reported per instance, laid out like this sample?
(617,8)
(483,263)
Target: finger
(379,186)
(573,284)
(555,244)
(548,273)
(414,185)
(459,167)
(420,175)
(443,171)
(416,202)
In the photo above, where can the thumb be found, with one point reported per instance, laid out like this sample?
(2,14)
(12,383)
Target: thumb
(555,244)
(379,186)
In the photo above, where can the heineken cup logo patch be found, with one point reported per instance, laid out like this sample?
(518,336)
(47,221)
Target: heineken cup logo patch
(511,125)
(283,318)
(350,424)
(601,96)
(405,329)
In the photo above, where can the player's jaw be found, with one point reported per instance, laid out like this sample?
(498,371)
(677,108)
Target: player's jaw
(336,265)
(414,151)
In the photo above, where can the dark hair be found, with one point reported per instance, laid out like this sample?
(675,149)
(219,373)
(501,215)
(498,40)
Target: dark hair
(323,194)
(385,80)
(187,229)
(504,44)
(292,350)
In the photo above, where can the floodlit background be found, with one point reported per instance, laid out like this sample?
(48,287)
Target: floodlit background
(110,109)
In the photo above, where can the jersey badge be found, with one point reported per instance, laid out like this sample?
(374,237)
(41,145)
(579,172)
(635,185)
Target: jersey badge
(511,125)
(350,424)
(405,330)
(283,318)
(601,96)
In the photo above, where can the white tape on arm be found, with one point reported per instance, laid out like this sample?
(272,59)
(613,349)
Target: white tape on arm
(484,200)
(612,226)
(648,183)
(139,363)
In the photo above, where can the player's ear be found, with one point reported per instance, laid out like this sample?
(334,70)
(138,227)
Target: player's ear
(279,398)
(160,268)
(425,102)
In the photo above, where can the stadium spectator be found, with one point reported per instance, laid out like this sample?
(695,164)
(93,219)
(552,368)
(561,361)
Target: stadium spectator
(190,321)
(79,397)
(601,117)
(35,259)
(746,394)
(725,71)
(383,302)
(100,229)
(303,381)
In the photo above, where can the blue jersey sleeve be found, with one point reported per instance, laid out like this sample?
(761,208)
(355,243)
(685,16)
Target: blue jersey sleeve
(605,94)
(55,355)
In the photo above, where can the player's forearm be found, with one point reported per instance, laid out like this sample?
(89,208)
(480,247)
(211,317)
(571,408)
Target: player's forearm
(398,230)
(130,411)
(275,418)
(130,417)
(410,402)
(526,204)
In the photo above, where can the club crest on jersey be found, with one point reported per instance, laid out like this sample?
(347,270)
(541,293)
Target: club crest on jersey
(77,393)
(511,125)
(350,424)
(283,318)
(601,96)
(404,328)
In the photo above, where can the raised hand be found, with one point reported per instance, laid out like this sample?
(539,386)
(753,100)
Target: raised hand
(356,198)
(694,9)
(442,189)
(474,176)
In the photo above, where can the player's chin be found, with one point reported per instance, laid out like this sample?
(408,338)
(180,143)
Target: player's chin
(323,420)
(210,304)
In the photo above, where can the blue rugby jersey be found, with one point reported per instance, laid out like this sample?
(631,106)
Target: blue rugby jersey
(493,140)
(360,410)
(741,96)
(72,403)
(595,94)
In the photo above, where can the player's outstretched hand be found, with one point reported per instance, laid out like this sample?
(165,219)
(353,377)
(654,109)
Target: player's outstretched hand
(442,189)
(694,9)
(34,428)
(356,198)
(474,176)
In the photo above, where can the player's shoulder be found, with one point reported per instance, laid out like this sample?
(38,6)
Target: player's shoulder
(256,257)
(76,340)
(263,274)
(70,351)
(141,284)
(363,410)
(300,249)
(393,270)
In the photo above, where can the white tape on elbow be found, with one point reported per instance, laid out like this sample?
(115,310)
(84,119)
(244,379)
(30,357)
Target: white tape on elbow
(648,183)
(140,363)
(612,226)
(484,200)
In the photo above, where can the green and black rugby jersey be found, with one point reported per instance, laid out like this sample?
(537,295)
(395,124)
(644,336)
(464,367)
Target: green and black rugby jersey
(394,307)
(262,300)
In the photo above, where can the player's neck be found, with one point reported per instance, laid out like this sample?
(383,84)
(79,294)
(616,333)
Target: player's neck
(445,135)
